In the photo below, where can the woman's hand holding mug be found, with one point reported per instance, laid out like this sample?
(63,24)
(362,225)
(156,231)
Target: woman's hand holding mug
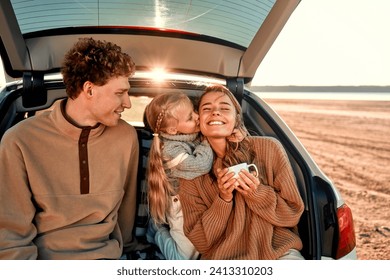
(247,177)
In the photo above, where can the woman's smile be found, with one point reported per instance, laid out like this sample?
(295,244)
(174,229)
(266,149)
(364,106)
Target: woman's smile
(215,123)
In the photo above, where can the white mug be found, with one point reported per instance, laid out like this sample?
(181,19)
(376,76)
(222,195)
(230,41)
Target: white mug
(238,167)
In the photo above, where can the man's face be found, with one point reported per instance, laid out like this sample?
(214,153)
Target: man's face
(110,100)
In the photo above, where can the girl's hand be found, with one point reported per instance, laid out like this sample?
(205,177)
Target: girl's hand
(246,182)
(226,184)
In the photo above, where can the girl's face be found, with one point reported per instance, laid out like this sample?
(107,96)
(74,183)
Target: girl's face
(188,119)
(217,115)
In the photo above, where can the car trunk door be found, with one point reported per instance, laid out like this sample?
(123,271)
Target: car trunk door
(215,38)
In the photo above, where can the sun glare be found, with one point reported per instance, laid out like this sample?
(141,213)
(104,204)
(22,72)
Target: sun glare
(159,74)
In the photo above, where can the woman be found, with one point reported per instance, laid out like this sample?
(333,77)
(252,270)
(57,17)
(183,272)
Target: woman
(247,217)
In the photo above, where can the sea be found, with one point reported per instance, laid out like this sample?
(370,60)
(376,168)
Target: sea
(368,96)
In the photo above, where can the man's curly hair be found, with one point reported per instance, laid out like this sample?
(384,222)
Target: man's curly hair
(95,61)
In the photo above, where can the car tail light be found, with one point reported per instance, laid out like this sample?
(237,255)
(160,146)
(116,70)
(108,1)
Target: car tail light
(347,239)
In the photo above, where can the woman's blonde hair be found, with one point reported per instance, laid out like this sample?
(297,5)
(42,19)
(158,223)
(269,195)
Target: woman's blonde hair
(161,113)
(236,152)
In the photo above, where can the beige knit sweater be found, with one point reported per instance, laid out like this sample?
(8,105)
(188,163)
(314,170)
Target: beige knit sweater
(43,214)
(260,226)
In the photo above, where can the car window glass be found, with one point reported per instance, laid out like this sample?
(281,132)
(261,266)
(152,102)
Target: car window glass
(135,114)
(232,21)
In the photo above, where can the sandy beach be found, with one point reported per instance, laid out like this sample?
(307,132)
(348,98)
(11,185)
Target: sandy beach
(349,140)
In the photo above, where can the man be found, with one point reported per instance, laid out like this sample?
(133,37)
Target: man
(68,177)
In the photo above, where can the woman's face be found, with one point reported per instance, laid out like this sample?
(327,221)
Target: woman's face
(217,115)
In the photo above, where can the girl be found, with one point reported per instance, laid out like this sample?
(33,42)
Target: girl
(176,152)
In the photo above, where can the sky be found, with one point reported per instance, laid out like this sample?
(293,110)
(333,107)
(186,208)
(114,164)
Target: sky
(330,42)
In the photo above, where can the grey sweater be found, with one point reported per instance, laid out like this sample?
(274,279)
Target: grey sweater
(185,156)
